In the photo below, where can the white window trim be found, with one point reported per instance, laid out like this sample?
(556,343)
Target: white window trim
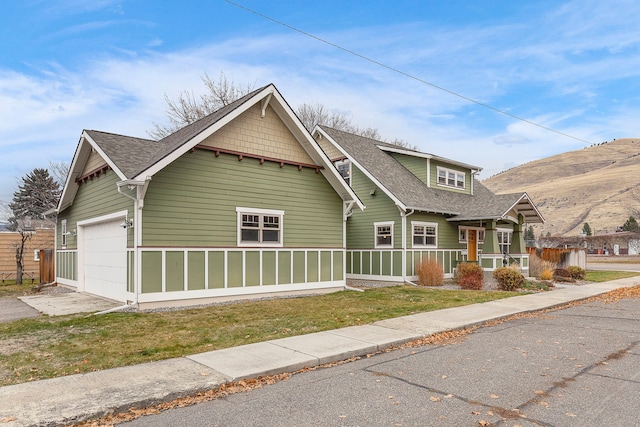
(456,172)
(343,162)
(63,231)
(481,233)
(255,211)
(375,234)
(424,224)
(509,232)
(36,254)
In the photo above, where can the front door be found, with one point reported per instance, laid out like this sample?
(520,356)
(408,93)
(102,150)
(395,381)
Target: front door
(472,245)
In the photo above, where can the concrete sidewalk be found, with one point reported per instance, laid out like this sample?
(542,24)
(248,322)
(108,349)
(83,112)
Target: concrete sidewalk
(78,397)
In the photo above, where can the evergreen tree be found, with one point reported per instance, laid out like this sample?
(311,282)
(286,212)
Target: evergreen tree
(586,229)
(38,193)
(631,225)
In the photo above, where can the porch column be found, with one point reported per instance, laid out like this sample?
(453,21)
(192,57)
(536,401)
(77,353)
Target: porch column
(491,245)
(517,240)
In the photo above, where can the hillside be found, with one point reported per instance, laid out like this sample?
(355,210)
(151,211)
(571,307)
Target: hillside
(598,184)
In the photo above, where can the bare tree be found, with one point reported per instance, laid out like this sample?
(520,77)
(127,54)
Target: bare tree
(188,108)
(25,232)
(59,170)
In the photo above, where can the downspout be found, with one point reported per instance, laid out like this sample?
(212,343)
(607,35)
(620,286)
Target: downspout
(138,204)
(348,211)
(403,215)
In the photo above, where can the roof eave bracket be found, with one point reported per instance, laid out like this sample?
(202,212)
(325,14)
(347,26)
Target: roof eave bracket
(265,104)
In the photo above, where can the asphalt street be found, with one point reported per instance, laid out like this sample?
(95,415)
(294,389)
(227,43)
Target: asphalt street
(578,366)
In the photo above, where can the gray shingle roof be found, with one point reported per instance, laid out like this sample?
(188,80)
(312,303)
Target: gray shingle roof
(415,194)
(134,155)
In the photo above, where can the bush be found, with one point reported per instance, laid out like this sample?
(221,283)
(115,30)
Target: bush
(469,276)
(430,272)
(576,272)
(537,266)
(546,274)
(509,279)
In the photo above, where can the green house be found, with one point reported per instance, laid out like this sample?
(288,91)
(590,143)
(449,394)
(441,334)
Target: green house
(418,206)
(240,203)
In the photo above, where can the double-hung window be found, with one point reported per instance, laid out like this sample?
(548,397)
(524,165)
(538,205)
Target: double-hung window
(504,240)
(259,227)
(344,167)
(63,231)
(451,178)
(384,234)
(425,234)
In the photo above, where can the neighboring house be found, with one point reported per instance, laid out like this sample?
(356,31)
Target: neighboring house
(419,205)
(42,237)
(618,243)
(241,202)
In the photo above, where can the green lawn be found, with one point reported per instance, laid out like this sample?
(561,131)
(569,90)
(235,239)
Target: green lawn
(47,347)
(605,276)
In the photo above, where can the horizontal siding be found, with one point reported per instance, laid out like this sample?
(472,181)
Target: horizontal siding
(415,165)
(434,177)
(379,208)
(96,197)
(447,232)
(193,201)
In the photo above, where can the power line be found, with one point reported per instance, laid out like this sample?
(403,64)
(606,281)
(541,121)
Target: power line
(403,73)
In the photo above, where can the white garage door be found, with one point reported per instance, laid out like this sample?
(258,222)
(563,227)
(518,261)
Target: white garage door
(105,260)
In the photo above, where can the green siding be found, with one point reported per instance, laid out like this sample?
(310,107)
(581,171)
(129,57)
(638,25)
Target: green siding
(174,271)
(434,177)
(312,266)
(298,267)
(253,268)
(325,263)
(235,269)
(284,267)
(196,270)
(379,208)
(338,271)
(216,270)
(151,272)
(415,165)
(447,231)
(67,265)
(268,268)
(193,201)
(96,197)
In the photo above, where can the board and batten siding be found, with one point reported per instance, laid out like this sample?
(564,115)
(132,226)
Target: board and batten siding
(193,202)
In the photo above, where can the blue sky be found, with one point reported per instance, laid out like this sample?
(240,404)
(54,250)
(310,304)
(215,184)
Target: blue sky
(572,66)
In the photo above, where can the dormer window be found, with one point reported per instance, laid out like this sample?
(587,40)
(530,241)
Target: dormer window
(451,178)
(344,167)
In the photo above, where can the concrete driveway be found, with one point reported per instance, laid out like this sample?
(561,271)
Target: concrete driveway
(58,304)
(14,309)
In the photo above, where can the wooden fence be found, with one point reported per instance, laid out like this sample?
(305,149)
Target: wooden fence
(561,257)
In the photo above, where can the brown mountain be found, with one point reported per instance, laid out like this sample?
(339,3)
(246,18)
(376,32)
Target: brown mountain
(599,185)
